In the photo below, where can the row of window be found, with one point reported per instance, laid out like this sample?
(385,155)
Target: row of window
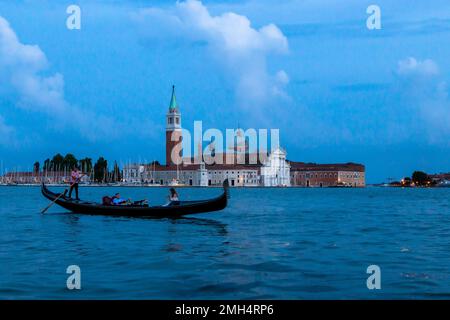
(215,175)
(317,175)
(327,175)
(245,181)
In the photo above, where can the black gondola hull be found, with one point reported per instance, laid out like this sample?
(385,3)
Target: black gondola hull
(181,209)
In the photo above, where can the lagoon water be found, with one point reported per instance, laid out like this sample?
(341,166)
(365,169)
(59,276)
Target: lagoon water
(268,244)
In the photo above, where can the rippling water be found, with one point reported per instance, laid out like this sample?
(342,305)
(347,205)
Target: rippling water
(268,244)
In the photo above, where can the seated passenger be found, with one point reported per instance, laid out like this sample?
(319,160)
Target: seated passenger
(173,198)
(106,201)
(117,200)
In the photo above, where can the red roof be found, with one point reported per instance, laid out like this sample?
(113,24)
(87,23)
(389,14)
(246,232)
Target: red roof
(208,167)
(302,166)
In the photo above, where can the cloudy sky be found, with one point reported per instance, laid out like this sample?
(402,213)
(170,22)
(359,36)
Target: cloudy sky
(337,91)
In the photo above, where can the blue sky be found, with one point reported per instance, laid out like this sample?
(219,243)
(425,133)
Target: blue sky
(337,91)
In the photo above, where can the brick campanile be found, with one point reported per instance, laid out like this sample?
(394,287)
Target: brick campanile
(174,137)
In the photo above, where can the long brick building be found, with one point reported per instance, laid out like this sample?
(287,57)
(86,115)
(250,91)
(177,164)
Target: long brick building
(327,175)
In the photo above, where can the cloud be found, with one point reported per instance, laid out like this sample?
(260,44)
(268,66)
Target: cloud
(411,67)
(425,95)
(22,66)
(24,73)
(230,32)
(239,48)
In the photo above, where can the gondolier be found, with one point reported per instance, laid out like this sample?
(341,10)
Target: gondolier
(75,177)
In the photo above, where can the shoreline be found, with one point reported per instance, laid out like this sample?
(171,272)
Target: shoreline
(34,185)
(169,186)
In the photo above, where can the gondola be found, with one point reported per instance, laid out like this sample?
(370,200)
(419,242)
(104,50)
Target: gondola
(181,208)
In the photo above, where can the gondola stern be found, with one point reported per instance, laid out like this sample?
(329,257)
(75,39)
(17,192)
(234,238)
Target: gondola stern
(226,188)
(44,189)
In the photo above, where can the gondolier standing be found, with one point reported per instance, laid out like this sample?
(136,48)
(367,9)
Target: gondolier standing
(75,177)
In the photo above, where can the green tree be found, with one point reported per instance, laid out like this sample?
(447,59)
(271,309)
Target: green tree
(69,161)
(116,175)
(47,165)
(406,181)
(101,170)
(57,162)
(86,165)
(36,167)
(420,178)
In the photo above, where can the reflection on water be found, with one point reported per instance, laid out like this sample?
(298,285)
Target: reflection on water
(277,243)
(220,228)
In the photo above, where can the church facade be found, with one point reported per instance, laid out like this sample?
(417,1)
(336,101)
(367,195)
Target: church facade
(271,170)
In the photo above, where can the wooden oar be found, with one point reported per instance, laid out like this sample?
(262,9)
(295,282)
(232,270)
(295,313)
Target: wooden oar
(61,194)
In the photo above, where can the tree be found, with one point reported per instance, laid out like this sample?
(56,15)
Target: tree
(47,165)
(86,165)
(406,181)
(116,176)
(69,161)
(101,170)
(57,162)
(420,178)
(36,167)
(155,162)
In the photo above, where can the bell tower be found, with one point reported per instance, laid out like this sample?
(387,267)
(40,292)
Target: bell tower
(174,151)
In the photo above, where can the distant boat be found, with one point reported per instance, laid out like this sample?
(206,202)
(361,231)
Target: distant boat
(177,183)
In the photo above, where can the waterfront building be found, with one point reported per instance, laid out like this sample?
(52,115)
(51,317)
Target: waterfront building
(32,177)
(275,172)
(21,177)
(239,166)
(327,175)
(192,174)
(440,177)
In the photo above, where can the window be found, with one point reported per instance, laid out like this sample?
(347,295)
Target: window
(177,120)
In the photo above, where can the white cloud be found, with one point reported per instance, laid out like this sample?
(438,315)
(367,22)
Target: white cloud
(14,53)
(21,67)
(426,97)
(230,32)
(282,77)
(241,49)
(23,72)
(411,66)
